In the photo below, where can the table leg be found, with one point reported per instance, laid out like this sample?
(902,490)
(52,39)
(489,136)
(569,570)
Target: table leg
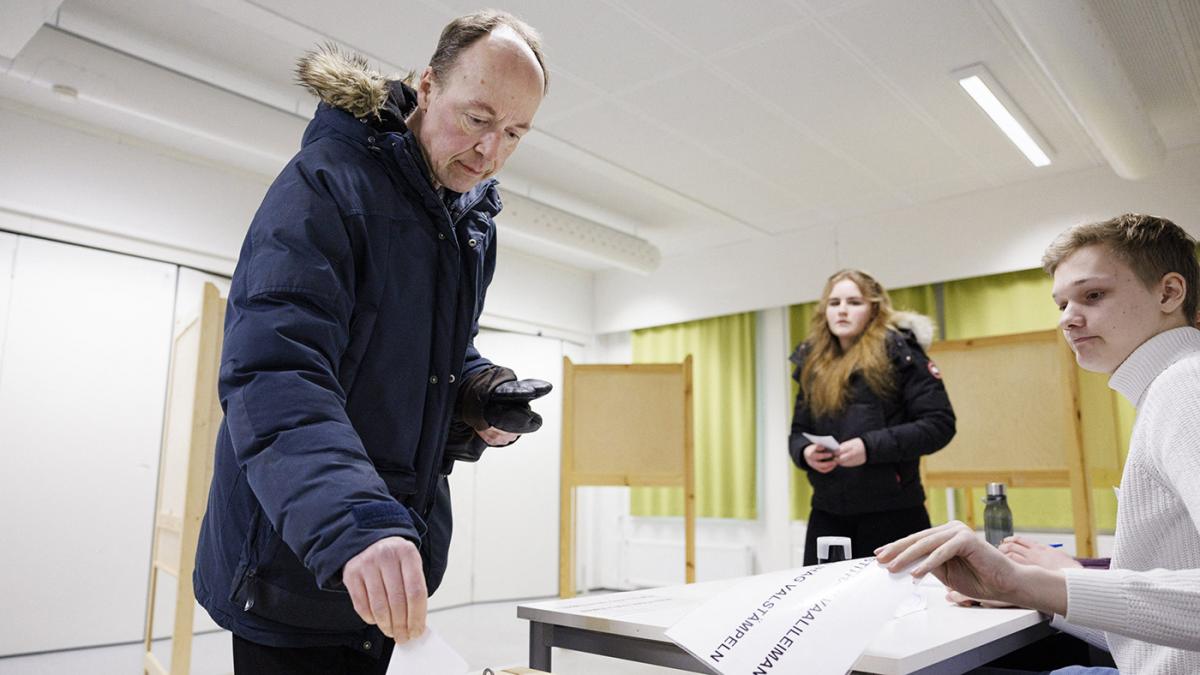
(541,637)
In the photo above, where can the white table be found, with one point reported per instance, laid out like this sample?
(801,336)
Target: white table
(941,639)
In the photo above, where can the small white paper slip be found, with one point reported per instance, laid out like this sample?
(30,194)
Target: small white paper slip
(429,654)
(814,620)
(827,442)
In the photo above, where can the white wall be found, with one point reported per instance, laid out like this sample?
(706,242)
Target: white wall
(80,184)
(773,392)
(985,232)
(538,296)
(82,377)
(8,253)
(76,183)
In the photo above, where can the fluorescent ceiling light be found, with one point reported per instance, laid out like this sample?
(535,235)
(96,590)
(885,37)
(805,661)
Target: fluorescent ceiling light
(553,228)
(990,96)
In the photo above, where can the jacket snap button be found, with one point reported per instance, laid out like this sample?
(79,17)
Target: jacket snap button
(367,645)
(452,378)
(433,379)
(441,236)
(471,243)
(370,139)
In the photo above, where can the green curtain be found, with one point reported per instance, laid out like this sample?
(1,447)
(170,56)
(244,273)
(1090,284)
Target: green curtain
(920,299)
(723,411)
(1020,302)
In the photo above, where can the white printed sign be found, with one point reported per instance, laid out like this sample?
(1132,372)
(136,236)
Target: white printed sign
(815,619)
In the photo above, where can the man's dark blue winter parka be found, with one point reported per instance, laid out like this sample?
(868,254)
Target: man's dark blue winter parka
(349,326)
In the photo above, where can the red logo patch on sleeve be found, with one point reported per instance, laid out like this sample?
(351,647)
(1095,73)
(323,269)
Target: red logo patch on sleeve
(934,371)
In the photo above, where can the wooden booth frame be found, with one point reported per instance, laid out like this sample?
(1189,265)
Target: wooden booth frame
(193,417)
(1017,399)
(631,425)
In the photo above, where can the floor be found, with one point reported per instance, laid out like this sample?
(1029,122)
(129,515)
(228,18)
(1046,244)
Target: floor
(487,635)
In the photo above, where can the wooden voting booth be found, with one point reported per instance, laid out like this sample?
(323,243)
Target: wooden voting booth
(1017,400)
(625,425)
(193,416)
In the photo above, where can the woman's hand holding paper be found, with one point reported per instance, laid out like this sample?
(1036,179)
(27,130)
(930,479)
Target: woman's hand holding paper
(820,459)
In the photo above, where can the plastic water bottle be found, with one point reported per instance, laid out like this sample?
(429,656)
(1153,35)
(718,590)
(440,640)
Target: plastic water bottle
(997,517)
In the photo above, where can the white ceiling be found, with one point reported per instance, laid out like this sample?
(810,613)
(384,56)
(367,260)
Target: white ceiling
(690,124)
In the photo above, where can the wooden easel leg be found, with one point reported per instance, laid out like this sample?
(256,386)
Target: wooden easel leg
(148,635)
(181,636)
(1083,514)
(566,542)
(969,508)
(689,535)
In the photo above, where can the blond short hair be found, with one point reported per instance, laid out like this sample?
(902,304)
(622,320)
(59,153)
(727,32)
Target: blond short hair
(1149,245)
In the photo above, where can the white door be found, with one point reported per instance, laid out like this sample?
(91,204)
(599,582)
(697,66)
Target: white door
(8,253)
(82,380)
(516,488)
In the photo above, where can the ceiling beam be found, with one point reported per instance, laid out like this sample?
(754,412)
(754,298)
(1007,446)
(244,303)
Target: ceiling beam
(21,20)
(1071,46)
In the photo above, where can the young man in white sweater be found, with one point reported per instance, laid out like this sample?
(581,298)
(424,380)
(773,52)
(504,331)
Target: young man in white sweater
(1127,289)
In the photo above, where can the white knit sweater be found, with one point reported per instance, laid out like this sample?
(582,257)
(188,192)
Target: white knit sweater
(1148,603)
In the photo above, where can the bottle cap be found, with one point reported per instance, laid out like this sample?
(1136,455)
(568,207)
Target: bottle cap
(833,549)
(995,490)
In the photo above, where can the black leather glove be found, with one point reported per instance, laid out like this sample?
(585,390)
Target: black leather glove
(494,397)
(508,408)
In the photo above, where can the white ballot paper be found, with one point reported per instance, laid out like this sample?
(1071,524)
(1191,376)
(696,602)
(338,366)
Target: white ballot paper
(815,619)
(429,654)
(827,442)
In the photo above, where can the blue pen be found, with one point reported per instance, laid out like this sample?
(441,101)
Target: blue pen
(1055,545)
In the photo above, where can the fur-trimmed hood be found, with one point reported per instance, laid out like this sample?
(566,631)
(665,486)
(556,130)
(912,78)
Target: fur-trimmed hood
(345,80)
(919,325)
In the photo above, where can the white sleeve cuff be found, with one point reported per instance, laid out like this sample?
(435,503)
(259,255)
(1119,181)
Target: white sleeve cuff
(1095,598)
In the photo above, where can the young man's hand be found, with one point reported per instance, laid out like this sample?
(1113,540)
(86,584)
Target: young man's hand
(1029,552)
(387,585)
(975,569)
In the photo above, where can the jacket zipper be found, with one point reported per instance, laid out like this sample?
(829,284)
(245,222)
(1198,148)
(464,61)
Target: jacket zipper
(389,166)
(435,475)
